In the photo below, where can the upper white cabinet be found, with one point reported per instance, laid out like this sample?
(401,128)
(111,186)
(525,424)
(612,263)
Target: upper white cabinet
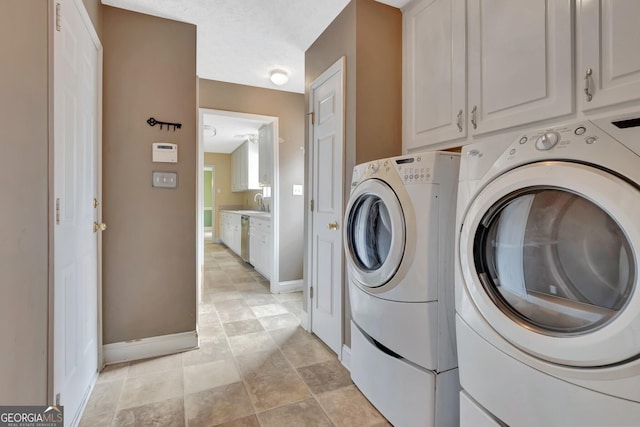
(520,60)
(608,60)
(244,167)
(265,163)
(516,68)
(434,72)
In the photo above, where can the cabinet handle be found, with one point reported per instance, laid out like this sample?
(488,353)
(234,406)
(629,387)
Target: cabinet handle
(459,116)
(587,95)
(333,225)
(474,123)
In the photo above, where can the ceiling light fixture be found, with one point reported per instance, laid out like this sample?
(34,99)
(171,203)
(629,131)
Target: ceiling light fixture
(210,130)
(279,77)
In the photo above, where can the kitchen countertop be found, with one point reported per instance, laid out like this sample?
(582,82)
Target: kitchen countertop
(257,214)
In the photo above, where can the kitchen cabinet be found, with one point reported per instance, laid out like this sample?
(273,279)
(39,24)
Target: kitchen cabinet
(230,231)
(516,68)
(244,167)
(608,59)
(265,156)
(260,245)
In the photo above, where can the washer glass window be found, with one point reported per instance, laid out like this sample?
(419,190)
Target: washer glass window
(554,260)
(370,232)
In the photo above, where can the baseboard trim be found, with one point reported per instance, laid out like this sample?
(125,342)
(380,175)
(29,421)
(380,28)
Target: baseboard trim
(304,321)
(289,286)
(149,347)
(345,357)
(85,399)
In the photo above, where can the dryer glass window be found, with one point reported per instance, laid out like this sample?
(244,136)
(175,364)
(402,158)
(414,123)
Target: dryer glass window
(554,260)
(370,232)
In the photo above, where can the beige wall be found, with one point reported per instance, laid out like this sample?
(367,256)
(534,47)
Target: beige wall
(378,81)
(369,35)
(94,9)
(149,249)
(290,110)
(223,194)
(24,213)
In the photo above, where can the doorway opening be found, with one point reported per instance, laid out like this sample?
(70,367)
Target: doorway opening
(220,134)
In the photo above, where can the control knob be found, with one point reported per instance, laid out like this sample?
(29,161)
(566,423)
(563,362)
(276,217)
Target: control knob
(373,167)
(547,140)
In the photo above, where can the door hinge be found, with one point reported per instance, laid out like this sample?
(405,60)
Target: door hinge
(58,13)
(58,211)
(313,117)
(311,292)
(311,205)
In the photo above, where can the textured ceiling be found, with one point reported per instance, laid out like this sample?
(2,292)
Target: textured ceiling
(241,41)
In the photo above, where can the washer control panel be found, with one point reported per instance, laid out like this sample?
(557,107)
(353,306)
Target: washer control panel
(412,170)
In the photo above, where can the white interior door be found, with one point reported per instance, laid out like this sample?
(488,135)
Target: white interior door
(76,168)
(327,143)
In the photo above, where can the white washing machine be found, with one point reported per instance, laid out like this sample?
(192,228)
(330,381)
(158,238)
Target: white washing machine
(398,240)
(547,296)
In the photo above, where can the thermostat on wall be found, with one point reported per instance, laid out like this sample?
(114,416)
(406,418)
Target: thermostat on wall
(165,153)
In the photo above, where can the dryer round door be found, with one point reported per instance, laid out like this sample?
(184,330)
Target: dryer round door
(549,257)
(375,233)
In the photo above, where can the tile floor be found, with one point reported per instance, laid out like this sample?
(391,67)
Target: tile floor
(255,367)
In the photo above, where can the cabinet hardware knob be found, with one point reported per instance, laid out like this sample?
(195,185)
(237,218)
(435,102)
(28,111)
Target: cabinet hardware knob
(587,94)
(333,225)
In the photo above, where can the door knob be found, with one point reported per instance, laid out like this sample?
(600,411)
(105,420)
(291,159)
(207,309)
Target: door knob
(99,226)
(333,225)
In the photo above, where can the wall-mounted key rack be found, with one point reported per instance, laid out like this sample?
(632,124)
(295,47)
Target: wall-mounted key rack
(153,122)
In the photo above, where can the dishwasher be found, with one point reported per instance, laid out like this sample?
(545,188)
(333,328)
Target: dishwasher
(244,238)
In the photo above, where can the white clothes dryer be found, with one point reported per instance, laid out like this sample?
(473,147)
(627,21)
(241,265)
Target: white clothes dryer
(547,277)
(398,239)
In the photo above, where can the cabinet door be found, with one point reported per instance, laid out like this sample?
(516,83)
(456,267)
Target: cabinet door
(519,62)
(252,165)
(608,46)
(236,231)
(244,184)
(223,229)
(267,259)
(253,243)
(265,157)
(235,174)
(434,88)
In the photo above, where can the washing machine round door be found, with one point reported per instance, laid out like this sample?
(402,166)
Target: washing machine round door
(549,257)
(374,235)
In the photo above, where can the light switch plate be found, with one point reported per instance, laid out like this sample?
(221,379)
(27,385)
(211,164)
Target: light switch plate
(297,190)
(165,179)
